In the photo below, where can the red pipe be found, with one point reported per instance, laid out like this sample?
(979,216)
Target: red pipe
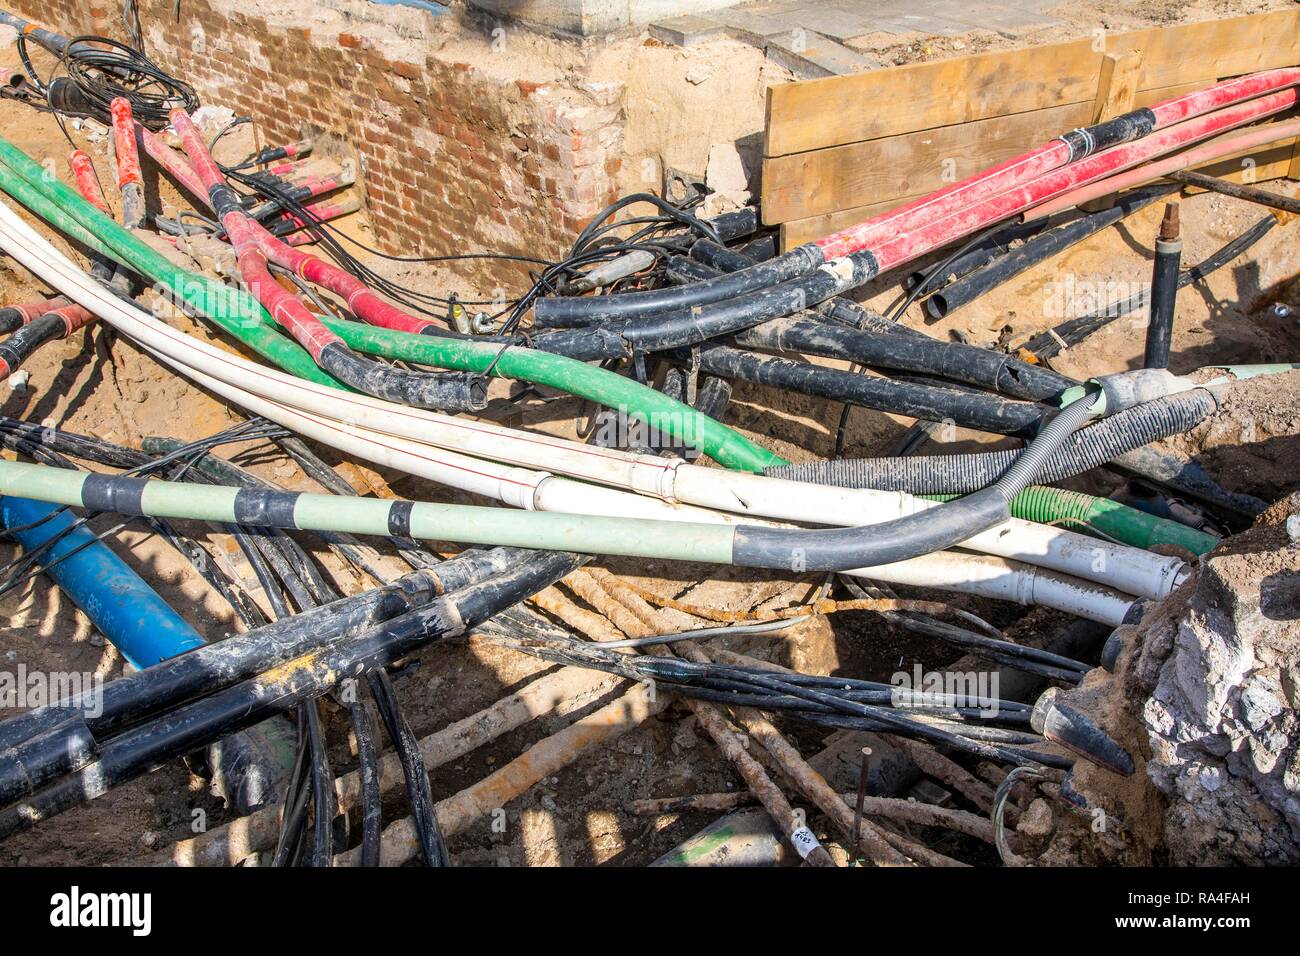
(936,233)
(173,162)
(1248,140)
(363,303)
(124,149)
(305,328)
(128,163)
(83,174)
(1072,147)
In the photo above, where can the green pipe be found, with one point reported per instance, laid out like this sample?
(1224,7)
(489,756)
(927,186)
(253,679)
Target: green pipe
(1074,510)
(66,210)
(462,524)
(234,310)
(660,412)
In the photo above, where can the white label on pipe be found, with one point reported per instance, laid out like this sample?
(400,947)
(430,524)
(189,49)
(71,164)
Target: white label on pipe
(804,841)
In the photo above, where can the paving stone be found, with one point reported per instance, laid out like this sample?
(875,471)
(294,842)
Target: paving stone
(686,30)
(817,56)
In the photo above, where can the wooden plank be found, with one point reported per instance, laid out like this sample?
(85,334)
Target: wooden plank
(827,180)
(835,111)
(1117,86)
(1294,171)
(838,110)
(799,231)
(1271,162)
(1183,52)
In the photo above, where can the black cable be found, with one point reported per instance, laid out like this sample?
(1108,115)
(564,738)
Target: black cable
(101,69)
(407,746)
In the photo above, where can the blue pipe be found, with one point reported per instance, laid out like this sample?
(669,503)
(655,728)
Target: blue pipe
(247,767)
(122,606)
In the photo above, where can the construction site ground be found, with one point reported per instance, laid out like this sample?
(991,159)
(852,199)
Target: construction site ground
(99,383)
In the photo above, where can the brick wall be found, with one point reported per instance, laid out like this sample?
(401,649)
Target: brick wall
(453,157)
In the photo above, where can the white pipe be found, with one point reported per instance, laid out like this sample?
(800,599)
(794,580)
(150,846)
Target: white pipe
(1004,580)
(1117,565)
(333,422)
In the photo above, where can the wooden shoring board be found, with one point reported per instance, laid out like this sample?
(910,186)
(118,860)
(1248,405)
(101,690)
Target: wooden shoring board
(1258,165)
(844,147)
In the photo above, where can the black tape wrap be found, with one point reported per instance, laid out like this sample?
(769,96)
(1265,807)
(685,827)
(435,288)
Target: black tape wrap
(1087,140)
(265,508)
(224,200)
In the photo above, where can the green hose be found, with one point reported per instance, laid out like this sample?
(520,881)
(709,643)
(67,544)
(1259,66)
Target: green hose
(1076,511)
(663,414)
(248,321)
(234,310)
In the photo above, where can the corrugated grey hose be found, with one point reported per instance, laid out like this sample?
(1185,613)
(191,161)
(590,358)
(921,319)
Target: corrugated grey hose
(964,474)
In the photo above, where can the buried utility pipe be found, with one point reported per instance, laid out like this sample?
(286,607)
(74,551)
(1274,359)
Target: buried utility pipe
(1164,290)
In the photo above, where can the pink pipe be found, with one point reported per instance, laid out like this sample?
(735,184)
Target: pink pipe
(1249,140)
(327,210)
(939,232)
(174,163)
(1039,161)
(305,328)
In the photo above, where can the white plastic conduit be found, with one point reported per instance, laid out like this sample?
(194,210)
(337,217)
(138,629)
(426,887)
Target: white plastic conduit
(229,375)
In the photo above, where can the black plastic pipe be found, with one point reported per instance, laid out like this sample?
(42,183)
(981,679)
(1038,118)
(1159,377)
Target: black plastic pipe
(623,337)
(1038,249)
(968,409)
(568,312)
(970,364)
(1164,291)
(962,474)
(241,705)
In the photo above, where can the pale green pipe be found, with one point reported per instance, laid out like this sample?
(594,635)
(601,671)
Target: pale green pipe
(462,524)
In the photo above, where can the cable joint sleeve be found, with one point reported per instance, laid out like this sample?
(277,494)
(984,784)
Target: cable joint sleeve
(1085,141)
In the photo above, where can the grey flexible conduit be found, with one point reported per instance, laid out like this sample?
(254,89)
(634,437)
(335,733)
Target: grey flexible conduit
(964,474)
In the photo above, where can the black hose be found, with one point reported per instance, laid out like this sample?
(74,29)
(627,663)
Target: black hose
(952,360)
(241,705)
(978,410)
(1164,291)
(989,248)
(444,391)
(20,346)
(566,312)
(964,474)
(416,774)
(623,337)
(372,820)
(1038,249)
(11,319)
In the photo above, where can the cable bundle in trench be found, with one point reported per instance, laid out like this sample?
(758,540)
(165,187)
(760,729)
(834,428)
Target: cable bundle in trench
(728,322)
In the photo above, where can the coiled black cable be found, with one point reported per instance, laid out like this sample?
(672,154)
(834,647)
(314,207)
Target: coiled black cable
(102,69)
